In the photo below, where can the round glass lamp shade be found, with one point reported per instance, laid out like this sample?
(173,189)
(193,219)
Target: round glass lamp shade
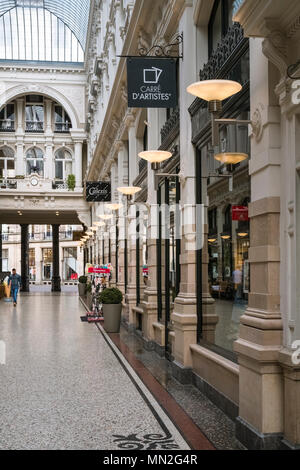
(214,90)
(129,190)
(155,156)
(99,224)
(231,158)
(105,216)
(90,233)
(114,207)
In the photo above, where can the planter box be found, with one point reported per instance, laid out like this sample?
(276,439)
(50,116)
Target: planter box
(112,317)
(81,289)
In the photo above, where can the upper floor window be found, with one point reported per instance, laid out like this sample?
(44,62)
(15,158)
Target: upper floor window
(35,161)
(34,113)
(7,162)
(62,122)
(7,118)
(63,164)
(220,21)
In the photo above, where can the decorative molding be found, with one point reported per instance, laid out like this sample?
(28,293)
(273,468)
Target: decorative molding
(274,47)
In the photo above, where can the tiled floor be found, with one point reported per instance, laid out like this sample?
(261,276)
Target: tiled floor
(216,426)
(64,387)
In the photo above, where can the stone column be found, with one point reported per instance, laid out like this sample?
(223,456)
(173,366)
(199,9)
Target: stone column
(20,170)
(55,251)
(156,119)
(20,116)
(24,258)
(260,421)
(38,263)
(48,115)
(49,161)
(131,295)
(78,163)
(122,181)
(184,316)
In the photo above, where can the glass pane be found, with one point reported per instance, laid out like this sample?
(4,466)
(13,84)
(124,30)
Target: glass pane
(59,170)
(68,168)
(217,26)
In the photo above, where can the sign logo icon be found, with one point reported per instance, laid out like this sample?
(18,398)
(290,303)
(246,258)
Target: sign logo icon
(152,75)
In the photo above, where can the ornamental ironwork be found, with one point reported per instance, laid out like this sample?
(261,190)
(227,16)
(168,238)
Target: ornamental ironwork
(219,62)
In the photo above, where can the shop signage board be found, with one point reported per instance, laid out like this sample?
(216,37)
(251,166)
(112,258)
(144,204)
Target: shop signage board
(151,82)
(240,213)
(98,191)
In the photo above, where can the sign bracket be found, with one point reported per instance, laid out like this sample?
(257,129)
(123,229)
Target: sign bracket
(160,52)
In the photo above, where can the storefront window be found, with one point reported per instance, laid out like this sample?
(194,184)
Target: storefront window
(47,264)
(32,267)
(168,276)
(5,260)
(70,263)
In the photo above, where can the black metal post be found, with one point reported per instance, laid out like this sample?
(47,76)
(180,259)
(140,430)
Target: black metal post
(24,258)
(56,282)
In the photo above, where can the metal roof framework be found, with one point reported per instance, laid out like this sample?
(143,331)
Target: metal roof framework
(43,30)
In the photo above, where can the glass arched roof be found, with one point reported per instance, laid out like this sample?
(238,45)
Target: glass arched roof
(46,30)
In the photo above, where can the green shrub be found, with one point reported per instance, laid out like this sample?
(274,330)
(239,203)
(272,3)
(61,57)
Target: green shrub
(71,182)
(89,287)
(110,295)
(82,279)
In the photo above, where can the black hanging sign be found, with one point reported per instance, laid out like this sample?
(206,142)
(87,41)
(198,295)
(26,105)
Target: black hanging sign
(151,82)
(99,191)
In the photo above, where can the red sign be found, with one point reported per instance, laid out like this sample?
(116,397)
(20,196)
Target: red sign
(240,213)
(99,270)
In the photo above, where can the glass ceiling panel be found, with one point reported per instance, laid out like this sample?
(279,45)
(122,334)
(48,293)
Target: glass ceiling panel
(73,13)
(35,34)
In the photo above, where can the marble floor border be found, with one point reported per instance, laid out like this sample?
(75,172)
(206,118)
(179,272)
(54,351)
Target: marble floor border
(156,396)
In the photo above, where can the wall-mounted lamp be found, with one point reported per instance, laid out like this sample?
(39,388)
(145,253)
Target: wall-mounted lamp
(242,234)
(231,158)
(212,240)
(99,224)
(214,92)
(155,157)
(114,206)
(105,216)
(225,236)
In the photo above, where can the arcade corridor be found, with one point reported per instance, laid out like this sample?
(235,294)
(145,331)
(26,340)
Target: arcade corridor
(62,387)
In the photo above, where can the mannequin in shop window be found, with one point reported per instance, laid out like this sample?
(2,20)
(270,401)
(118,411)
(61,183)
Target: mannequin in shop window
(237,276)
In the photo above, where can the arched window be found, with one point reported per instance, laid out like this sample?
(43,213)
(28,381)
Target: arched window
(63,164)
(35,161)
(62,120)
(7,162)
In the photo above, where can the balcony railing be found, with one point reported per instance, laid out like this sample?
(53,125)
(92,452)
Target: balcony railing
(34,126)
(7,125)
(170,129)
(62,127)
(8,183)
(60,184)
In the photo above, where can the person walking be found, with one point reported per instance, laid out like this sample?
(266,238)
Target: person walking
(14,282)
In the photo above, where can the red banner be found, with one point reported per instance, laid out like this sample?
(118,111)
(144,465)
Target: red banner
(240,213)
(99,270)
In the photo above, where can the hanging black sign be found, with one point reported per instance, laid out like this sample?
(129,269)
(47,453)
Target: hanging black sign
(99,191)
(151,82)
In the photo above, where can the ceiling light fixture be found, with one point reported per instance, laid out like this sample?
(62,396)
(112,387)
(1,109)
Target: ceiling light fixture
(129,190)
(114,206)
(231,158)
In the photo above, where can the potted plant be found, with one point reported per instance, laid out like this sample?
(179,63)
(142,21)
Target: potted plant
(111,300)
(82,285)
(71,182)
(89,297)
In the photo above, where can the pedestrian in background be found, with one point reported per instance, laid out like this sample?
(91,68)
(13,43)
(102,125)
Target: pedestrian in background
(14,282)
